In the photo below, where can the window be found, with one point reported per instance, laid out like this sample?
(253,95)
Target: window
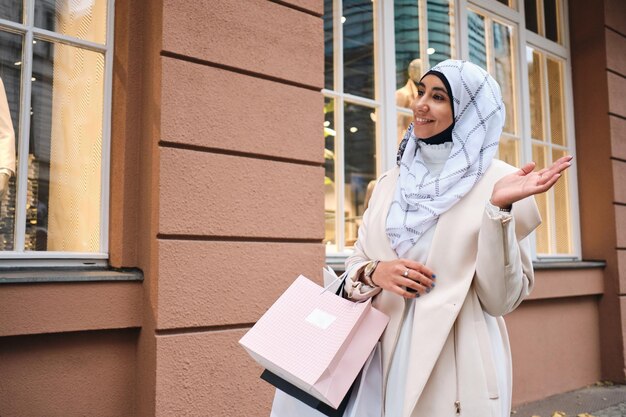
(351,116)
(55,63)
(376,51)
(491,43)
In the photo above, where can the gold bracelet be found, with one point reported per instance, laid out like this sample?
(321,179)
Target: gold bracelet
(369,271)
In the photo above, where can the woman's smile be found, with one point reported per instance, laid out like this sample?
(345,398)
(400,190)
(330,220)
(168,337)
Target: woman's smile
(422,121)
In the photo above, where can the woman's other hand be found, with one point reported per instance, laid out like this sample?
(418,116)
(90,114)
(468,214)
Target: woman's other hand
(527,182)
(404,277)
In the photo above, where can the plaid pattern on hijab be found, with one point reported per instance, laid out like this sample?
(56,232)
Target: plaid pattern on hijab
(420,197)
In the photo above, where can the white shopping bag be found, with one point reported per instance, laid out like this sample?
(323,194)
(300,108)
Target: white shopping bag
(365,399)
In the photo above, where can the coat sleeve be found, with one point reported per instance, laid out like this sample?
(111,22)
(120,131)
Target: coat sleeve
(354,288)
(504,271)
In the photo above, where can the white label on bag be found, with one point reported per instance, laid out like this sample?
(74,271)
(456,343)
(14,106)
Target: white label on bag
(320,318)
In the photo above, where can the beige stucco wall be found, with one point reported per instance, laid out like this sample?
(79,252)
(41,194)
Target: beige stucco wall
(217,195)
(598,36)
(240,204)
(68,374)
(554,335)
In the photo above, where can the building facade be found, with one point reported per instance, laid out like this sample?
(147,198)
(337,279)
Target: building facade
(180,163)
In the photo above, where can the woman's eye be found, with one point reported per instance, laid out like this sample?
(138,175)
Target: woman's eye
(438,97)
(420,93)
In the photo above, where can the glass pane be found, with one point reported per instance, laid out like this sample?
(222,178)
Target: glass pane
(535,86)
(555,95)
(530,9)
(440,30)
(403,120)
(503,56)
(561,210)
(360,164)
(358,47)
(409,66)
(85,19)
(328,45)
(11,10)
(543,231)
(477,43)
(551,16)
(65,149)
(408,63)
(11,75)
(330,198)
(508,151)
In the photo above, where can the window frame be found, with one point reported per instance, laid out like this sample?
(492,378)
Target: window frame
(388,111)
(30,32)
(339,98)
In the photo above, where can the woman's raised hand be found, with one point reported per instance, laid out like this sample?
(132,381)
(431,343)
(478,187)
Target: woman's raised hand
(404,277)
(527,182)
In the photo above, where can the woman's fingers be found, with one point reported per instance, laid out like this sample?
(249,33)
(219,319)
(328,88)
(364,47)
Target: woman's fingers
(549,176)
(404,277)
(418,278)
(423,269)
(409,284)
(527,169)
(404,293)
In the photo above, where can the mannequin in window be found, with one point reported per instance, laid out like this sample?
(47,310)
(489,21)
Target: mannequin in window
(404,98)
(7,143)
(406,95)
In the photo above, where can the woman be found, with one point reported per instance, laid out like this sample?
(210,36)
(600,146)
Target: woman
(443,249)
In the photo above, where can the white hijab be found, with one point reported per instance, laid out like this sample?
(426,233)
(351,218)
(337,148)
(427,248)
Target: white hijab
(421,197)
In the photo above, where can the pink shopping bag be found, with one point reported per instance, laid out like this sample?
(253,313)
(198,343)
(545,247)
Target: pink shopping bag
(315,339)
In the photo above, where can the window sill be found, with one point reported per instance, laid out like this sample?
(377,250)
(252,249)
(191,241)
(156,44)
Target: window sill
(539,265)
(337,262)
(48,300)
(47,275)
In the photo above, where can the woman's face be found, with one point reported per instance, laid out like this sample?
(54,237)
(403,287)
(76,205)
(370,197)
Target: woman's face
(432,109)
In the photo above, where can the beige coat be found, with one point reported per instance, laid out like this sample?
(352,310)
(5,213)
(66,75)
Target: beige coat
(491,273)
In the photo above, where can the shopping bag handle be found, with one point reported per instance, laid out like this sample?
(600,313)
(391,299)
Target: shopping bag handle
(341,278)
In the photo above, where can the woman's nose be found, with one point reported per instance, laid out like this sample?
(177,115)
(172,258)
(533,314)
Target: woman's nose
(420,105)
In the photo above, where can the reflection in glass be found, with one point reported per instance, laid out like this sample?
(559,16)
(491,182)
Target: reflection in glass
(503,57)
(532,18)
(11,10)
(543,232)
(406,13)
(330,198)
(85,19)
(535,86)
(561,210)
(440,30)
(409,66)
(360,164)
(358,47)
(508,151)
(11,75)
(555,96)
(476,42)
(65,149)
(551,18)
(404,120)
(328,45)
